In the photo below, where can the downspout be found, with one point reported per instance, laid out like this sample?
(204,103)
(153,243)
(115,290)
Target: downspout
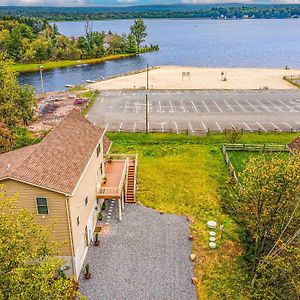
(71,236)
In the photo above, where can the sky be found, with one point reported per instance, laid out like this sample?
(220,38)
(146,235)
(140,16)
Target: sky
(125,2)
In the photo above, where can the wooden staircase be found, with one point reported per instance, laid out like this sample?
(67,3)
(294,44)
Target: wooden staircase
(131,182)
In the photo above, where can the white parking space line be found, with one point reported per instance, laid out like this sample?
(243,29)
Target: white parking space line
(134,127)
(263,128)
(219,108)
(232,125)
(250,104)
(171,106)
(288,125)
(136,106)
(247,127)
(125,107)
(190,125)
(219,126)
(176,127)
(162,126)
(284,104)
(229,106)
(159,106)
(240,105)
(264,106)
(205,106)
(195,108)
(276,127)
(184,110)
(204,126)
(277,107)
(121,124)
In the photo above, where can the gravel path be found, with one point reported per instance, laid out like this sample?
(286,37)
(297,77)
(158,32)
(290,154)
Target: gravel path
(146,256)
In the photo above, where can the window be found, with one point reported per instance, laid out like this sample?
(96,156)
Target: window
(98,149)
(86,200)
(42,206)
(101,169)
(78,221)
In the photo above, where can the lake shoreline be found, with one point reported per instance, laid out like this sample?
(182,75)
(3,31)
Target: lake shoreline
(50,65)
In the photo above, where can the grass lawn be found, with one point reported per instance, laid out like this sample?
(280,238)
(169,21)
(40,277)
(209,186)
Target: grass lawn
(239,159)
(48,65)
(185,175)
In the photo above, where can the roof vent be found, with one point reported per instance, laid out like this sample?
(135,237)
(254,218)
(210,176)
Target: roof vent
(8,167)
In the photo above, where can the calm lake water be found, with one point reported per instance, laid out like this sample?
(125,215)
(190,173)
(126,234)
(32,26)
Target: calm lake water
(203,43)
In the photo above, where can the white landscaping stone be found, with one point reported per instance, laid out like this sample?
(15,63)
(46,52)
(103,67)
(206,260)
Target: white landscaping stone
(211,224)
(212,239)
(212,233)
(212,245)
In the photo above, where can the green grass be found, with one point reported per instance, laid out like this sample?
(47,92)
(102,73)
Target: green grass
(48,65)
(240,159)
(216,139)
(186,175)
(89,95)
(24,138)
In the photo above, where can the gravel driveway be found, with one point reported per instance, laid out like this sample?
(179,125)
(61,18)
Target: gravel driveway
(146,256)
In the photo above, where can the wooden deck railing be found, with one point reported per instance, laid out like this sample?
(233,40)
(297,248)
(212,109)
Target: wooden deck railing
(135,176)
(109,191)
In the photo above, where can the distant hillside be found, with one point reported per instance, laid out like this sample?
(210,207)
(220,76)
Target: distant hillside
(213,11)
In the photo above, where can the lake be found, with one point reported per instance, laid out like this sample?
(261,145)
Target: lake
(202,43)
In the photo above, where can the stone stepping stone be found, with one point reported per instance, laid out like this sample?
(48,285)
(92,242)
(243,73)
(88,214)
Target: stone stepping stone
(212,224)
(212,245)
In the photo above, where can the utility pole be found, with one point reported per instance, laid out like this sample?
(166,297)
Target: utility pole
(147,77)
(147,129)
(41,68)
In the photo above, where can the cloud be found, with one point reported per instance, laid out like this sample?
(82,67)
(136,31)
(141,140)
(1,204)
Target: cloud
(44,2)
(127,1)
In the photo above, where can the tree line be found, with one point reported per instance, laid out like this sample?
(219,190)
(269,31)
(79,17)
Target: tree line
(259,11)
(27,40)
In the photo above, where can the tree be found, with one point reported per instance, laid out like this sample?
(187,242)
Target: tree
(29,267)
(17,103)
(233,135)
(6,138)
(267,206)
(131,44)
(42,49)
(138,30)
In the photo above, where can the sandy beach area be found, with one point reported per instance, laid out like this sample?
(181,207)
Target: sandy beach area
(177,77)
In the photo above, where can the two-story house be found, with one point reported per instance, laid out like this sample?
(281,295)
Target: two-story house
(60,180)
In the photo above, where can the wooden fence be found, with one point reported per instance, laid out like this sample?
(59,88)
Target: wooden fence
(250,147)
(257,147)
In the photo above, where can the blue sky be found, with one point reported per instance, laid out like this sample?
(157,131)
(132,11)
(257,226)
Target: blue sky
(126,2)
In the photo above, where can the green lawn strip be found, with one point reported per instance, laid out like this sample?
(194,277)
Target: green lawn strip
(91,95)
(48,65)
(211,139)
(180,176)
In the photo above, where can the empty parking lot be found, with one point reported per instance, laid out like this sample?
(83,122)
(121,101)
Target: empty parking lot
(198,111)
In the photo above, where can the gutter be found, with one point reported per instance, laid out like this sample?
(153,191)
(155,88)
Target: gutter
(71,236)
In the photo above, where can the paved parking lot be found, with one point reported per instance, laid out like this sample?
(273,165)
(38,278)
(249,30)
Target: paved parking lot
(198,111)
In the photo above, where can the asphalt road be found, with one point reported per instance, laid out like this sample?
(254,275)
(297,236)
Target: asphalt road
(198,111)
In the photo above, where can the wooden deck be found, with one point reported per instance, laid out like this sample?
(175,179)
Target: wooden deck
(115,173)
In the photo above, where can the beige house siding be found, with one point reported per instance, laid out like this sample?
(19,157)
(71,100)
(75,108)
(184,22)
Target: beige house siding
(57,213)
(87,187)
